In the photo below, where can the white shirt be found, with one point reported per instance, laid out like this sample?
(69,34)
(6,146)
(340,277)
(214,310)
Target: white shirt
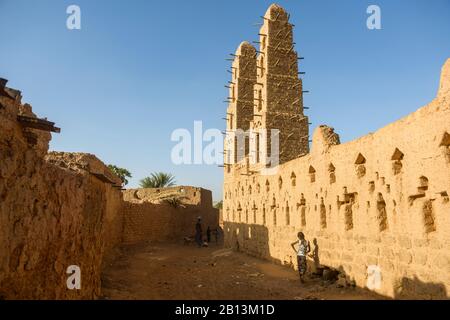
(302,248)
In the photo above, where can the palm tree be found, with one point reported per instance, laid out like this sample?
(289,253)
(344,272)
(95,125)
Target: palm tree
(158,180)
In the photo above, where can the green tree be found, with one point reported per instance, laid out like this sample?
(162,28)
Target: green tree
(122,173)
(219,205)
(158,180)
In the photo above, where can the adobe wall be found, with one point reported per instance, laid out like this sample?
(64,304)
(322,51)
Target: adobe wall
(148,217)
(186,194)
(378,202)
(112,233)
(60,209)
(53,213)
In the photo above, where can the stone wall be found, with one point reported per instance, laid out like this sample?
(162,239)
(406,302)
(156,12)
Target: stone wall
(380,202)
(149,217)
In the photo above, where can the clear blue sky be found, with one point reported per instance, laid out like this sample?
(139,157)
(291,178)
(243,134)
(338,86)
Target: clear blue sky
(137,70)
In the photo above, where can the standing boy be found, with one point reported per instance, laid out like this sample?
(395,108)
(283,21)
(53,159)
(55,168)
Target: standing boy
(302,251)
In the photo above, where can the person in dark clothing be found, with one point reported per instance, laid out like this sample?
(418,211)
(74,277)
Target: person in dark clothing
(208,234)
(218,233)
(198,232)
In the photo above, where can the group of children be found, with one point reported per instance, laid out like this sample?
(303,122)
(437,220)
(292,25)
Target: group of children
(199,239)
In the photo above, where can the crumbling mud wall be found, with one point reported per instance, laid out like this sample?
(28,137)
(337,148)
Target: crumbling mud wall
(56,210)
(112,232)
(62,209)
(376,208)
(156,215)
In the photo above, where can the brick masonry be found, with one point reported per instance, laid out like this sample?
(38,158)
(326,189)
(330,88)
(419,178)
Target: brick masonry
(148,219)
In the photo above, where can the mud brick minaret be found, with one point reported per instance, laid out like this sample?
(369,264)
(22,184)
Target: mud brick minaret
(266,93)
(240,109)
(278,91)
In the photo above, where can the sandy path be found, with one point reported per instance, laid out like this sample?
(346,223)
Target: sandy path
(171,271)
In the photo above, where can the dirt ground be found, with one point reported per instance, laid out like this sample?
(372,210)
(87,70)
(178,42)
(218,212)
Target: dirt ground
(179,272)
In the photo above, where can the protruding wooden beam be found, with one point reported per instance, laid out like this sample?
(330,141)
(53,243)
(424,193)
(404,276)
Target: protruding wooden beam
(36,123)
(102,177)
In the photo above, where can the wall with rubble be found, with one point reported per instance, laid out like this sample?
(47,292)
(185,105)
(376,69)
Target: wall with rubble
(376,208)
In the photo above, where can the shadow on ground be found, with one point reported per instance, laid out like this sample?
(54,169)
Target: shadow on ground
(152,271)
